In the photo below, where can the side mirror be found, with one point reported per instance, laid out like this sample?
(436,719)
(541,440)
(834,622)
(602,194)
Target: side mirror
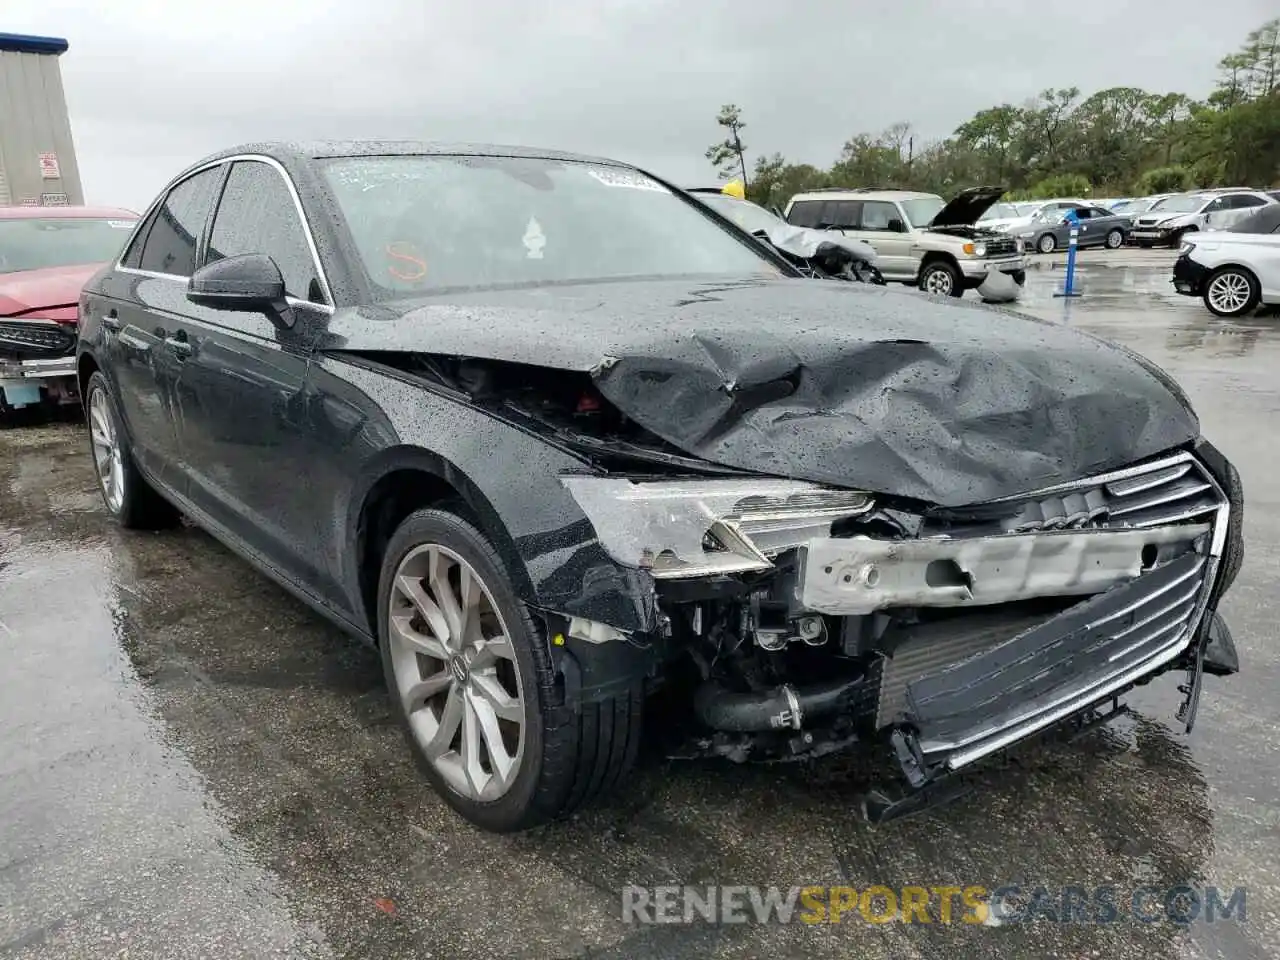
(897,226)
(251,283)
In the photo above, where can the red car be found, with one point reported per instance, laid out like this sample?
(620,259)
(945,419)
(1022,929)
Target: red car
(46,255)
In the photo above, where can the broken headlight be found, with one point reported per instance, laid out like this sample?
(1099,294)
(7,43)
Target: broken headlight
(690,528)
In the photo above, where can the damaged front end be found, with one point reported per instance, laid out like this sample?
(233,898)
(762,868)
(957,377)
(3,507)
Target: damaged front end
(819,617)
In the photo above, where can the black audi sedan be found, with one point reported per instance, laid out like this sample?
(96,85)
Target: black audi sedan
(553,436)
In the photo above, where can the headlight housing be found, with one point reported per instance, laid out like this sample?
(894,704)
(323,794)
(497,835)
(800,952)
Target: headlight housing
(1187,247)
(692,528)
(980,250)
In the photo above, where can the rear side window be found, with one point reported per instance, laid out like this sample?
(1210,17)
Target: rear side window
(805,213)
(1245,200)
(175,228)
(257,215)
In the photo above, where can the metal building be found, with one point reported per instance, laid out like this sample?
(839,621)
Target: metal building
(37,157)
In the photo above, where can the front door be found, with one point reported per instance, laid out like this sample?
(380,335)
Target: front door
(885,228)
(242,394)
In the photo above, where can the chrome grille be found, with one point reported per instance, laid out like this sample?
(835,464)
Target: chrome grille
(1170,493)
(1001,246)
(1022,682)
(45,338)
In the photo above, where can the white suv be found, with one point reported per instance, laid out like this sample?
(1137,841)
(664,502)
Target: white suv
(919,239)
(1168,220)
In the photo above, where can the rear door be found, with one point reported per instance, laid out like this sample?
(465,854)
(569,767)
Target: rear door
(882,225)
(141,306)
(242,394)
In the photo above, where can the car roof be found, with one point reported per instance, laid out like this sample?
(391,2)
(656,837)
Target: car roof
(66,213)
(842,194)
(288,151)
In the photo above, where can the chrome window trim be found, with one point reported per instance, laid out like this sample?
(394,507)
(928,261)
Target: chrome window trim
(297,204)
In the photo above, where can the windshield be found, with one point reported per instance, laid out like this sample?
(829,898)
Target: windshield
(922,210)
(1179,204)
(34,244)
(1001,211)
(747,215)
(432,223)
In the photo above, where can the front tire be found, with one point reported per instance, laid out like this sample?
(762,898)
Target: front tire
(1047,243)
(1231,292)
(1115,239)
(942,279)
(129,498)
(473,685)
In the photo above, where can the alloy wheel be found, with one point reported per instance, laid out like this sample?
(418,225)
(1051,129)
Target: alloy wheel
(939,282)
(1114,239)
(1047,243)
(106,450)
(1229,292)
(455,672)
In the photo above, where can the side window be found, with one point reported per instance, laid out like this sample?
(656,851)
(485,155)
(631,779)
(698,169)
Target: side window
(805,213)
(1219,204)
(876,214)
(1082,213)
(841,213)
(175,230)
(133,254)
(1247,200)
(257,215)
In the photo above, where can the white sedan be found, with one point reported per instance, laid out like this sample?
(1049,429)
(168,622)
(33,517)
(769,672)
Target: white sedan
(1233,270)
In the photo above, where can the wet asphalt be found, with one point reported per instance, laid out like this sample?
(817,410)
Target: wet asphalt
(194,765)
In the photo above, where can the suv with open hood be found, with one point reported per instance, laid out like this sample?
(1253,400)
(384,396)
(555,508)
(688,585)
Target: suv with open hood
(919,239)
(553,436)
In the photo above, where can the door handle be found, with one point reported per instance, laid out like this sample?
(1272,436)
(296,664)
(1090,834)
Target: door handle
(179,344)
(111,321)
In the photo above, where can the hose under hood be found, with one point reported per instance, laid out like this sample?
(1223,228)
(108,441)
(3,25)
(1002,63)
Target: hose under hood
(782,708)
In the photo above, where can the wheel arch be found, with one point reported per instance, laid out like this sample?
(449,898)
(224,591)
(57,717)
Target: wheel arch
(938,256)
(399,481)
(86,367)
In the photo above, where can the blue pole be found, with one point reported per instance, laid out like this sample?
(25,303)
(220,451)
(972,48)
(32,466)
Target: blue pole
(1073,237)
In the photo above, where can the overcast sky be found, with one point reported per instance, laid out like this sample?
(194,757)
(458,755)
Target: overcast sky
(155,84)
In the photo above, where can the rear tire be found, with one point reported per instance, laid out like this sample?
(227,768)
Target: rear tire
(942,279)
(130,499)
(529,758)
(1231,292)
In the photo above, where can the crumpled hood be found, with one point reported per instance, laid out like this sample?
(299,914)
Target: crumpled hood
(32,290)
(846,384)
(805,243)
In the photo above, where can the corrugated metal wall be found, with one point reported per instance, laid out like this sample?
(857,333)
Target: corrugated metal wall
(34,121)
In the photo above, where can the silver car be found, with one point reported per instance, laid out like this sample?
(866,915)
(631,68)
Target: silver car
(1170,218)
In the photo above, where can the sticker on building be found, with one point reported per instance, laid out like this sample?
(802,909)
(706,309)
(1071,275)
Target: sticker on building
(53,200)
(49,166)
(28,202)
